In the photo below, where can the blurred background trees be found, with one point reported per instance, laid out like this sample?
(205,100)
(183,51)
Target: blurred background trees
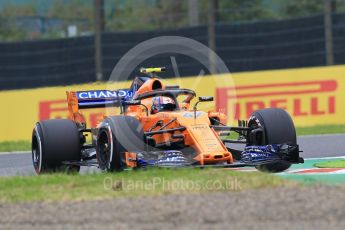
(36,19)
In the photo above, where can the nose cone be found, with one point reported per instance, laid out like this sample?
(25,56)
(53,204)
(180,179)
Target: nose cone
(214,158)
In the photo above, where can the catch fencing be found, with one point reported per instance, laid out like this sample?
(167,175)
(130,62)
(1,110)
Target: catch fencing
(255,46)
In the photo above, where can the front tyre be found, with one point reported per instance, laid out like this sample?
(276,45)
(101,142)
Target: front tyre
(278,128)
(53,142)
(117,135)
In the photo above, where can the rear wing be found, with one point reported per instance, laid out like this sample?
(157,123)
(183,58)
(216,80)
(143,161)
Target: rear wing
(96,99)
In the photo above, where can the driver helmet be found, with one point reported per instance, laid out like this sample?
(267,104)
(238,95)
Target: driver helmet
(162,103)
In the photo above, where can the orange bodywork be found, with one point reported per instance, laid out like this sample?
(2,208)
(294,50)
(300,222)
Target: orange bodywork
(197,134)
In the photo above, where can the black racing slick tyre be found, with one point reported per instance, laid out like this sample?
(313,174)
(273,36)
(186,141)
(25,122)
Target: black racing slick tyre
(278,129)
(53,142)
(117,135)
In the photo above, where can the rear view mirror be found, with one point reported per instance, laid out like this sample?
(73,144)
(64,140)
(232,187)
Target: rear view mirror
(201,99)
(136,102)
(205,99)
(133,102)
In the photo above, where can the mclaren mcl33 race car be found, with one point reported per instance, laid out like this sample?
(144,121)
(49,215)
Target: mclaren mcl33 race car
(156,126)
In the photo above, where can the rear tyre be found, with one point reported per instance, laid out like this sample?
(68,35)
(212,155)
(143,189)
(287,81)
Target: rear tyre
(278,129)
(55,141)
(117,135)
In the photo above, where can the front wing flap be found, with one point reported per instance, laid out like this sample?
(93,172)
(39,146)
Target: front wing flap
(251,156)
(258,155)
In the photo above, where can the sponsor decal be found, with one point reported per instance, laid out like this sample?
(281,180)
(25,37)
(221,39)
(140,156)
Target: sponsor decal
(103,94)
(191,114)
(52,109)
(300,99)
(198,127)
(57,109)
(312,96)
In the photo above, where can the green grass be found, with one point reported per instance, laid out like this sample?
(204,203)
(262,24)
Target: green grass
(331,164)
(313,130)
(10,146)
(320,129)
(63,187)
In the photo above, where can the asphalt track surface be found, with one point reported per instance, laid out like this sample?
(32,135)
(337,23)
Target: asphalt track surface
(312,146)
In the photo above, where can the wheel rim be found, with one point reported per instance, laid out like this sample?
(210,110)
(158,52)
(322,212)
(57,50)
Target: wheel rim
(255,123)
(269,167)
(103,149)
(36,151)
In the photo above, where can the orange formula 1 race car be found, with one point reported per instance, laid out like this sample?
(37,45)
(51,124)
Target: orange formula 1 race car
(157,126)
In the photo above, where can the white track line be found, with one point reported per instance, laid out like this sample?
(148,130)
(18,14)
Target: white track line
(303,136)
(14,152)
(322,135)
(325,158)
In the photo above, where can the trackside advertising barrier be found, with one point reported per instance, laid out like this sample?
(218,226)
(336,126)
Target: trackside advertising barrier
(313,96)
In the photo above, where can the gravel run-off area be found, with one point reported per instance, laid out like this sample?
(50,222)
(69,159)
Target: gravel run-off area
(303,207)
